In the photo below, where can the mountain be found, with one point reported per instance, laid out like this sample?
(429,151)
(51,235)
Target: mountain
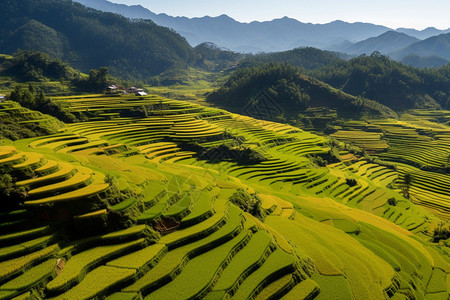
(389,82)
(424,62)
(307,57)
(433,52)
(433,46)
(282,91)
(89,39)
(422,34)
(276,35)
(387,42)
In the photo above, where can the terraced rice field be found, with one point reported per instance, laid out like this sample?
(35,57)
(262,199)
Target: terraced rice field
(153,218)
(418,145)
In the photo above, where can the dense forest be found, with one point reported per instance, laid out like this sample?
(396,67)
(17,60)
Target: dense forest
(213,58)
(389,82)
(375,76)
(34,66)
(290,92)
(308,58)
(89,39)
(29,65)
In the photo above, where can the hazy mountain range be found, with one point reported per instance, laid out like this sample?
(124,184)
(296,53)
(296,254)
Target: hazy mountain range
(286,33)
(433,51)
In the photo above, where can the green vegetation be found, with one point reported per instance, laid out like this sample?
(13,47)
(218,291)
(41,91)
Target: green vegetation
(244,262)
(374,77)
(306,57)
(31,278)
(78,265)
(282,91)
(99,282)
(390,83)
(153,197)
(17,122)
(36,100)
(71,32)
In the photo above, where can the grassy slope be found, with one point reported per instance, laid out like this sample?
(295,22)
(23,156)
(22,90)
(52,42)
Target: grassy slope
(329,228)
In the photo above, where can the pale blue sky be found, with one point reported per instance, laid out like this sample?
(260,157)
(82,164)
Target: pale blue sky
(417,14)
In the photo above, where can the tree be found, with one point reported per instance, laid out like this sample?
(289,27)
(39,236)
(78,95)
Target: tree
(407,179)
(10,194)
(441,232)
(61,81)
(98,79)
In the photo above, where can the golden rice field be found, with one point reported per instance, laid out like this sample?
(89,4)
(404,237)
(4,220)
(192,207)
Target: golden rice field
(160,206)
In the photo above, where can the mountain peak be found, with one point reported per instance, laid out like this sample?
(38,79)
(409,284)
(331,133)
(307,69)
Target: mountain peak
(280,34)
(387,42)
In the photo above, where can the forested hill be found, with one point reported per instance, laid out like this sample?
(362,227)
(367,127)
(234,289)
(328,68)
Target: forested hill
(88,39)
(305,57)
(283,91)
(389,82)
(374,76)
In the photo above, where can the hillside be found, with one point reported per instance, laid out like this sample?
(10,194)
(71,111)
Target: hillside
(434,46)
(422,34)
(305,57)
(284,92)
(424,62)
(388,82)
(161,206)
(89,39)
(17,122)
(375,76)
(385,43)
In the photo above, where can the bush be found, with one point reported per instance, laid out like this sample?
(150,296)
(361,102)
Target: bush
(240,154)
(248,203)
(351,182)
(11,195)
(441,233)
(36,100)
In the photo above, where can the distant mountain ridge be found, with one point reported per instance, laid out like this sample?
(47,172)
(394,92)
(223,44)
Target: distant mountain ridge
(434,46)
(422,34)
(387,42)
(269,36)
(276,35)
(431,52)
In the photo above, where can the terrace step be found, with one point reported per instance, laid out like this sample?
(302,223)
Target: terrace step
(78,265)
(82,193)
(65,172)
(33,160)
(77,181)
(50,167)
(191,283)
(278,264)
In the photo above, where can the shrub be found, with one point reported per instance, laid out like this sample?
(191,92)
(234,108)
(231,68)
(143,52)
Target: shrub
(248,203)
(351,182)
(441,233)
(11,195)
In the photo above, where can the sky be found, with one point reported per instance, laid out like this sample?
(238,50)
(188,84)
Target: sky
(418,14)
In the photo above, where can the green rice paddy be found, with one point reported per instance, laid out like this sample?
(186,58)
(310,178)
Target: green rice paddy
(341,230)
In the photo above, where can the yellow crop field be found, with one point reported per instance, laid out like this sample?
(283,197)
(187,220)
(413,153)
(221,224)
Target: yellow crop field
(182,201)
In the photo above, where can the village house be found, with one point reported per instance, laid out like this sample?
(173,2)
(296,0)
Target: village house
(115,89)
(137,91)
